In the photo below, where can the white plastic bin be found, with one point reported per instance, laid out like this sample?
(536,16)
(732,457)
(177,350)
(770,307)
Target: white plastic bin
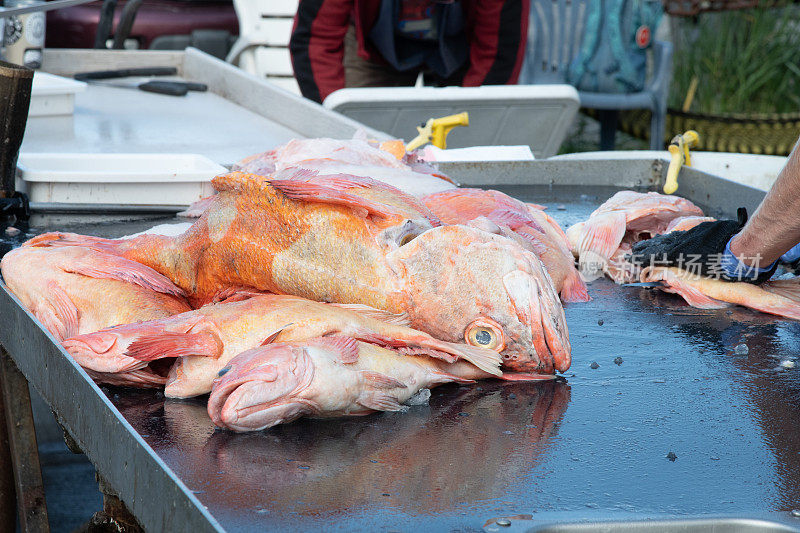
(53,95)
(130,179)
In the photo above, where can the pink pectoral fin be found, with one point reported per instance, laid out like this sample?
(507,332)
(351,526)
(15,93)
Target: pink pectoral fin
(513,219)
(121,269)
(153,346)
(344,347)
(600,238)
(574,288)
(379,401)
(58,314)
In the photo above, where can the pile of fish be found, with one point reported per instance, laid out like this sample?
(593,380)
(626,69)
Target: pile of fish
(330,278)
(307,287)
(602,243)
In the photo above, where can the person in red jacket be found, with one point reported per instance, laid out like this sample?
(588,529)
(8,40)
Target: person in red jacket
(386,43)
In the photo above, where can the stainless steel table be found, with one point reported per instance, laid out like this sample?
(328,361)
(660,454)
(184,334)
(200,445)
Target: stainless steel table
(591,446)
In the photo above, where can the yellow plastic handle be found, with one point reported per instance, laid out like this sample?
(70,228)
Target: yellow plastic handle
(442,126)
(423,137)
(679,148)
(671,184)
(435,131)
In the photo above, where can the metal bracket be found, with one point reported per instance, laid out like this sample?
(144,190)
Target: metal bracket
(23,451)
(115,516)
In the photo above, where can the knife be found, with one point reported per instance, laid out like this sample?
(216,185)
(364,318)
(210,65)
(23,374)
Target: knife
(172,88)
(645,284)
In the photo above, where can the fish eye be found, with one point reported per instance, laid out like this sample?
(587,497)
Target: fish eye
(483,336)
(485,333)
(407,238)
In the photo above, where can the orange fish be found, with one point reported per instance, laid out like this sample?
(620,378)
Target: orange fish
(539,233)
(602,242)
(79,290)
(205,340)
(322,377)
(456,283)
(779,297)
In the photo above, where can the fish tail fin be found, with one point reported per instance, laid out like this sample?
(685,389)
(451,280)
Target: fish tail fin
(140,248)
(788,288)
(574,288)
(789,291)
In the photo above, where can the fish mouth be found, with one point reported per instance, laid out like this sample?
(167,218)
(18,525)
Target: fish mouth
(537,306)
(233,379)
(255,382)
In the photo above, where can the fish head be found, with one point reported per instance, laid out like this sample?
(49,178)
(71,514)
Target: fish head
(468,285)
(261,388)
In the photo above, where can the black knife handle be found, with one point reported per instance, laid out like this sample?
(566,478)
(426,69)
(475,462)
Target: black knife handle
(172,88)
(195,86)
(124,73)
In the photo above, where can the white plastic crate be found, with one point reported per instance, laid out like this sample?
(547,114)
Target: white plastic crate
(53,95)
(130,179)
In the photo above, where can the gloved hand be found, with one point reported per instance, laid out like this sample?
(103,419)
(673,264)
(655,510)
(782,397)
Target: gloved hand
(791,259)
(702,250)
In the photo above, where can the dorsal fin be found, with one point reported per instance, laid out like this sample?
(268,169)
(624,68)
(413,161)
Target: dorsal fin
(315,192)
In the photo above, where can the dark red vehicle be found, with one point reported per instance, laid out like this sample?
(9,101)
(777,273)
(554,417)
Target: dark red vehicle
(210,25)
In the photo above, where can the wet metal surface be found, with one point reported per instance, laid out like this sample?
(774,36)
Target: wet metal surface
(669,381)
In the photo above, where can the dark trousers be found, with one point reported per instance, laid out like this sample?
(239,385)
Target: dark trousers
(359,72)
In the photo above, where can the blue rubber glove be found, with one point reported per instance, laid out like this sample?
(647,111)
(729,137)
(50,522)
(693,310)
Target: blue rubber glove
(735,270)
(792,255)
